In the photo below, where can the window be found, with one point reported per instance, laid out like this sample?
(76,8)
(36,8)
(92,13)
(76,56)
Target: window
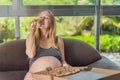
(109,37)
(58,2)
(110,2)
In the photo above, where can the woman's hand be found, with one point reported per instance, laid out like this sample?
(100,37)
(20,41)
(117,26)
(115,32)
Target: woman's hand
(66,65)
(32,26)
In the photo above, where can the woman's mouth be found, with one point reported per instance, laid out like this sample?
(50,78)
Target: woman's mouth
(41,24)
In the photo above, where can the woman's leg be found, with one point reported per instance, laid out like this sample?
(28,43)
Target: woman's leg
(28,76)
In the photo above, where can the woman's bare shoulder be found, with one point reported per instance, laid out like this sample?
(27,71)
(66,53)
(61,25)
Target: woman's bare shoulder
(60,42)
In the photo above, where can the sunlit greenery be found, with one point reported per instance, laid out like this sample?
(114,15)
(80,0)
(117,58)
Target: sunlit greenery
(24,23)
(5,2)
(58,2)
(108,43)
(62,2)
(70,2)
(48,2)
(7,29)
(110,2)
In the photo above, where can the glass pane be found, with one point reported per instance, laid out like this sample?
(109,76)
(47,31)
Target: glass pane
(110,39)
(7,29)
(58,2)
(77,27)
(86,2)
(110,2)
(5,2)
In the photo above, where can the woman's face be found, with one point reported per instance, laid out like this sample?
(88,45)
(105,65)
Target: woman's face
(44,18)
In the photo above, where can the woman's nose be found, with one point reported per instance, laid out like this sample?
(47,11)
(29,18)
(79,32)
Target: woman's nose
(43,18)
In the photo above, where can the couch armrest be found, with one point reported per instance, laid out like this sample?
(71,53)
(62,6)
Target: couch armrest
(79,53)
(12,56)
(104,63)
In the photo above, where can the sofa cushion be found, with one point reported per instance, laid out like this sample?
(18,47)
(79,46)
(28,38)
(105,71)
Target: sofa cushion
(12,75)
(79,53)
(12,56)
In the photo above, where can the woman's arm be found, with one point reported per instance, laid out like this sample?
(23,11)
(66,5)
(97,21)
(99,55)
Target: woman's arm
(30,41)
(61,49)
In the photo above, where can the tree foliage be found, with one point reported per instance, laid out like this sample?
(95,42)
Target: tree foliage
(7,29)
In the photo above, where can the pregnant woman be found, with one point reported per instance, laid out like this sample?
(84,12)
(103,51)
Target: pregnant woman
(43,48)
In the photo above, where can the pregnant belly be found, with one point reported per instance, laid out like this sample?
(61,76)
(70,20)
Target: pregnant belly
(43,62)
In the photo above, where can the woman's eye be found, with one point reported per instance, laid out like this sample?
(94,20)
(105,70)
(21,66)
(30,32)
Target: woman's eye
(41,17)
(46,18)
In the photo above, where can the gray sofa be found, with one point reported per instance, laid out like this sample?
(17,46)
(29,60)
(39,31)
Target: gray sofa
(14,62)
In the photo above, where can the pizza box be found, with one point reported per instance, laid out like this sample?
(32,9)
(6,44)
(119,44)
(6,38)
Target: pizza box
(46,77)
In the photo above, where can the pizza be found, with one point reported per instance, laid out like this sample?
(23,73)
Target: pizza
(62,71)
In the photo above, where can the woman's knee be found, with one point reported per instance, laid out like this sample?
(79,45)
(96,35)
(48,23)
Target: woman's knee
(28,76)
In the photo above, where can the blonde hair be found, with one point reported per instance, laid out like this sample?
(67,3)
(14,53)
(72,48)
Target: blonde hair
(51,31)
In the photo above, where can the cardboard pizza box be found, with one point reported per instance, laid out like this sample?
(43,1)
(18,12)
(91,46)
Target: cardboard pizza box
(105,71)
(46,77)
